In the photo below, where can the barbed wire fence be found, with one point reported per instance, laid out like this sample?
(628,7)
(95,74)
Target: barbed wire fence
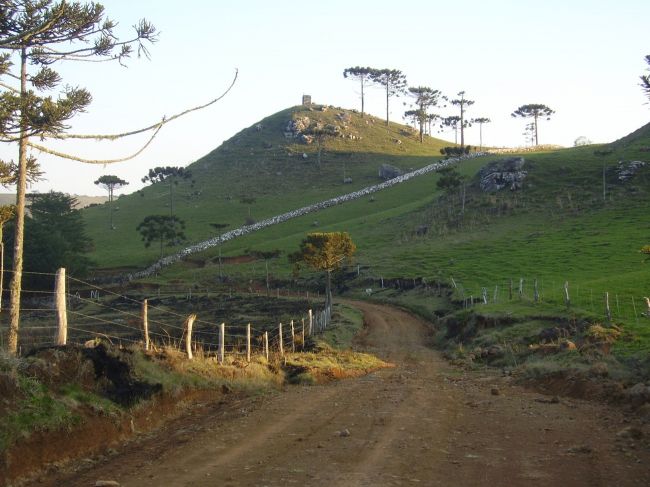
(59,316)
(570,295)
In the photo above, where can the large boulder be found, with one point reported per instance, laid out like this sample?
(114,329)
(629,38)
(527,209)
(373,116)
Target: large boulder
(386,171)
(627,169)
(503,174)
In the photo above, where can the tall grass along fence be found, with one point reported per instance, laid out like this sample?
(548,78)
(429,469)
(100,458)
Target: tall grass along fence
(58,317)
(246,229)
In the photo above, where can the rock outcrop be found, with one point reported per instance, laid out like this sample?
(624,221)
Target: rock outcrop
(503,174)
(625,170)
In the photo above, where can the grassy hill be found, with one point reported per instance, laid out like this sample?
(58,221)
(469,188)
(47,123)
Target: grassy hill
(559,227)
(573,220)
(260,162)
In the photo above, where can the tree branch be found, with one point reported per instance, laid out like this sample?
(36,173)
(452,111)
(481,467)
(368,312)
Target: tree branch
(151,127)
(97,161)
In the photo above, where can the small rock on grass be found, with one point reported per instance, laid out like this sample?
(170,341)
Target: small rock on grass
(107,483)
(495,391)
(345,433)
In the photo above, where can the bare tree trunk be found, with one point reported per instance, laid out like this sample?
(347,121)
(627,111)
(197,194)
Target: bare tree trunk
(171,196)
(21,188)
(462,124)
(110,206)
(536,138)
(2,267)
(362,96)
(387,99)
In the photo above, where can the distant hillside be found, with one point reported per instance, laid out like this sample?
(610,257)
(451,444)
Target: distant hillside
(274,162)
(84,201)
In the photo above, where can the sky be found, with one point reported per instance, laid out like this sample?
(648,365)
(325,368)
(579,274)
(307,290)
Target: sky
(582,58)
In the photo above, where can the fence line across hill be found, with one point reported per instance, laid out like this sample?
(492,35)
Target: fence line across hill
(149,330)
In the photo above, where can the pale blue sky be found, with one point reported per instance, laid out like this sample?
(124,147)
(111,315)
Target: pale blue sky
(581,58)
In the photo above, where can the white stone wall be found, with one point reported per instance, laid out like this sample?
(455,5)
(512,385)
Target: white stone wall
(238,232)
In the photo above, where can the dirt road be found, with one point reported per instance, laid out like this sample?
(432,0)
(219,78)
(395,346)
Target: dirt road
(420,423)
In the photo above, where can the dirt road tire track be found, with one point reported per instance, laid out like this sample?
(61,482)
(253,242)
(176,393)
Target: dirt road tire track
(420,423)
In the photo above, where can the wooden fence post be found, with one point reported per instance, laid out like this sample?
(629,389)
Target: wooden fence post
(293,338)
(521,287)
(222,342)
(496,293)
(303,334)
(61,311)
(567,301)
(266,345)
(608,312)
(535,291)
(248,342)
(311,322)
(510,290)
(647,304)
(189,322)
(281,343)
(145,324)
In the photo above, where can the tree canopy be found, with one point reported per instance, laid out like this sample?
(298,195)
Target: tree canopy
(325,252)
(423,98)
(394,83)
(534,111)
(462,103)
(645,79)
(481,121)
(110,183)
(57,238)
(165,229)
(34,36)
(171,174)
(364,75)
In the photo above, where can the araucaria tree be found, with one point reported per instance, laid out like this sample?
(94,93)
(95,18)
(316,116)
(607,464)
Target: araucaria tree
(462,103)
(364,76)
(645,79)
(424,98)
(171,175)
(534,111)
(164,229)
(394,83)
(480,121)
(324,252)
(453,122)
(110,183)
(34,36)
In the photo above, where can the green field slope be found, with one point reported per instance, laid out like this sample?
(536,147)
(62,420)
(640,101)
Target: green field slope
(280,173)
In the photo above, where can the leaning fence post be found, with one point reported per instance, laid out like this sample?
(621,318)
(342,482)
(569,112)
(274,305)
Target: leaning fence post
(248,342)
(145,324)
(188,335)
(281,344)
(61,310)
(222,342)
(311,322)
(293,338)
(266,345)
